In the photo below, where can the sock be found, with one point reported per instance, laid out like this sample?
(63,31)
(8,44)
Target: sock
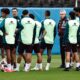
(48,64)
(18,65)
(77,64)
(27,66)
(67,64)
(37,65)
(9,66)
(12,67)
(40,66)
(72,63)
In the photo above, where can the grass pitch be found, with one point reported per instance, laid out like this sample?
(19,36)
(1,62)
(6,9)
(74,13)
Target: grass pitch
(55,73)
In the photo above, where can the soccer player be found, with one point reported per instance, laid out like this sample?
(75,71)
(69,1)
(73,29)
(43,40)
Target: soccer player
(76,10)
(48,40)
(78,37)
(36,46)
(70,38)
(27,40)
(3,16)
(25,13)
(8,26)
(13,56)
(61,31)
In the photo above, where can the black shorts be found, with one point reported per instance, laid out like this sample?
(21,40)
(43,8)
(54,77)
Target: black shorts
(9,46)
(16,44)
(22,47)
(36,48)
(71,47)
(1,41)
(78,47)
(44,46)
(16,41)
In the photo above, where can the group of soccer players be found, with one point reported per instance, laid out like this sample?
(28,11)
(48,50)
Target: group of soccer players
(26,34)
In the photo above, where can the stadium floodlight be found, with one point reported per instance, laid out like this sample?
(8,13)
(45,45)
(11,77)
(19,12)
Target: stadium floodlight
(76,3)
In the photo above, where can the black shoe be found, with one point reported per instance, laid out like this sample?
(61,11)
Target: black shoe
(77,69)
(62,66)
(70,67)
(66,69)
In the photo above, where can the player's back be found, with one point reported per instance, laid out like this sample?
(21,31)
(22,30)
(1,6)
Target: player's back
(73,29)
(27,33)
(49,26)
(10,25)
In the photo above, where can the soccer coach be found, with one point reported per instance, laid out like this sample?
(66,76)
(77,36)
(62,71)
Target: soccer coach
(61,31)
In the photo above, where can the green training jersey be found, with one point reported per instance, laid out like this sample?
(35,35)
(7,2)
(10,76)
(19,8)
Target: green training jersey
(28,30)
(1,19)
(8,26)
(49,26)
(72,29)
(38,28)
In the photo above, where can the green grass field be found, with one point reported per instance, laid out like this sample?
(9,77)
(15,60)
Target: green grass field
(54,74)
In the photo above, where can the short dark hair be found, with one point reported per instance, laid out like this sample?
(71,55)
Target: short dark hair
(72,15)
(25,12)
(47,12)
(32,16)
(2,10)
(14,9)
(76,9)
(5,10)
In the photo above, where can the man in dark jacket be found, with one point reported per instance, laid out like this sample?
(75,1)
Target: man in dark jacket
(61,31)
(15,15)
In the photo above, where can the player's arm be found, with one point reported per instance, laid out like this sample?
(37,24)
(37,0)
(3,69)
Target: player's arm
(78,35)
(59,29)
(2,24)
(2,28)
(34,35)
(66,33)
(54,32)
(19,27)
(42,32)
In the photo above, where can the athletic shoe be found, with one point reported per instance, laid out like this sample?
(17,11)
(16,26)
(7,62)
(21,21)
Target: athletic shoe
(77,69)
(66,69)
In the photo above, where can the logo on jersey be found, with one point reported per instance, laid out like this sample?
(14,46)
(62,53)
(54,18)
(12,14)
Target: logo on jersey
(74,24)
(28,22)
(12,22)
(50,23)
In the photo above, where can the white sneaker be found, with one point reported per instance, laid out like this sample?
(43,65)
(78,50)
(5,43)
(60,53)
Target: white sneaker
(26,70)
(35,69)
(3,61)
(47,67)
(16,69)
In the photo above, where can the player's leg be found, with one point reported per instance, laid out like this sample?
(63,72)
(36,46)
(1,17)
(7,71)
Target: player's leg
(13,57)
(38,66)
(28,57)
(42,47)
(72,59)
(2,52)
(8,54)
(74,49)
(49,48)
(68,51)
(21,48)
(14,50)
(62,51)
(79,53)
